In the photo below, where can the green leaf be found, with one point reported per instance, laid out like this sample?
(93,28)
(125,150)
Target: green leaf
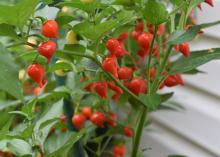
(124,2)
(54,111)
(195,59)
(59,143)
(95,32)
(180,36)
(154,101)
(19,147)
(18,14)
(193,72)
(9,74)
(155,12)
(29,108)
(151,101)
(177,2)
(7,30)
(64,19)
(61,66)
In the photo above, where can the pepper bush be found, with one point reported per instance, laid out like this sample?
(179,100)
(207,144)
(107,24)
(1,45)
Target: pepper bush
(84,83)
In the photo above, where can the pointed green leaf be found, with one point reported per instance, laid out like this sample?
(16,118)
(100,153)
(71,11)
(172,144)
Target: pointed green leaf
(9,74)
(196,59)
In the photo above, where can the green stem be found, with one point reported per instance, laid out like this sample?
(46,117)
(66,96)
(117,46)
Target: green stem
(139,132)
(161,69)
(150,57)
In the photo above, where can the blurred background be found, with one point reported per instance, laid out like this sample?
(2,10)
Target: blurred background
(195,130)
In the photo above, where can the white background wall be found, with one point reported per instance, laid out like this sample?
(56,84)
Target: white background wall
(195,131)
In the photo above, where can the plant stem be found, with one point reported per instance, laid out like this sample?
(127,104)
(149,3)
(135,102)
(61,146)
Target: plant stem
(161,69)
(150,57)
(139,132)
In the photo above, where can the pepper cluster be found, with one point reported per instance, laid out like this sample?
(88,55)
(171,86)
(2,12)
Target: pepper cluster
(36,71)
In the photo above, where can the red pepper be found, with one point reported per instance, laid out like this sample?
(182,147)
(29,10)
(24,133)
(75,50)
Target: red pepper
(173,80)
(209,2)
(101,89)
(145,39)
(125,73)
(119,150)
(140,26)
(36,72)
(78,120)
(117,91)
(123,37)
(50,29)
(112,45)
(138,86)
(110,65)
(128,131)
(111,120)
(87,112)
(47,49)
(98,118)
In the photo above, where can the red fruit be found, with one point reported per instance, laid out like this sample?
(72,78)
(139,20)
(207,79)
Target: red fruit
(145,39)
(47,49)
(112,44)
(138,86)
(87,112)
(90,87)
(125,73)
(63,118)
(135,35)
(121,51)
(50,29)
(143,53)
(78,120)
(173,80)
(101,89)
(112,119)
(140,26)
(184,49)
(128,132)
(37,90)
(209,2)
(160,30)
(98,118)
(110,65)
(119,150)
(123,37)
(36,72)
(118,91)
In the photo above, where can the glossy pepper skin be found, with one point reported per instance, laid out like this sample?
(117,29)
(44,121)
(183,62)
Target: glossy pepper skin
(36,72)
(117,91)
(78,120)
(119,151)
(128,132)
(98,118)
(50,29)
(101,89)
(145,39)
(112,45)
(87,112)
(138,86)
(110,65)
(47,49)
(125,73)
(173,80)
(183,48)
(209,2)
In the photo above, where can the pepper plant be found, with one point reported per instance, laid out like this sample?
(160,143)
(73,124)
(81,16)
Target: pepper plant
(84,83)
